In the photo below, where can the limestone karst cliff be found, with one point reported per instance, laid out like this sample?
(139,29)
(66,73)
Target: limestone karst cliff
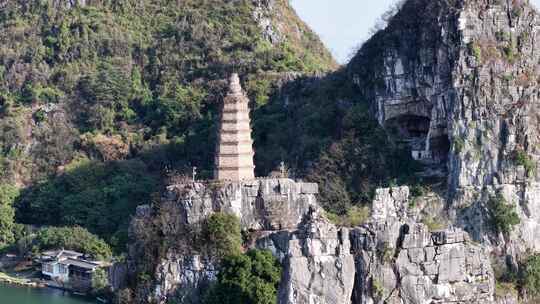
(454,85)
(409,262)
(266,206)
(390,259)
(458,82)
(101,100)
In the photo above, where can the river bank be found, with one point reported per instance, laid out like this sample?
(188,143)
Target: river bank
(8,281)
(13,280)
(21,272)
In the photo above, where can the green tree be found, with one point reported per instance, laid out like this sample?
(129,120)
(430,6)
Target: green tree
(100,281)
(250,278)
(222,235)
(521,158)
(107,91)
(176,111)
(352,167)
(8,194)
(72,238)
(97,196)
(530,275)
(503,214)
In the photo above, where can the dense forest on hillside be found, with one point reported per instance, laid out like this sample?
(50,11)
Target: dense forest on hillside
(100,101)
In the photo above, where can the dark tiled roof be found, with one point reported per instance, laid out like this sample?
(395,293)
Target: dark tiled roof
(80,263)
(62,253)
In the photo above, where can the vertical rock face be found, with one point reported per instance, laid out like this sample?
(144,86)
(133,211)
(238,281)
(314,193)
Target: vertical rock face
(391,259)
(234,155)
(317,262)
(68,4)
(457,81)
(406,72)
(390,202)
(263,204)
(400,261)
(496,119)
(262,14)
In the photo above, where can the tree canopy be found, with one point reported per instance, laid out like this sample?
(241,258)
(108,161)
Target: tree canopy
(250,278)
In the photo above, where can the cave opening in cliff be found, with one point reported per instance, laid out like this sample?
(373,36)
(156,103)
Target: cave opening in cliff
(413,130)
(426,143)
(440,146)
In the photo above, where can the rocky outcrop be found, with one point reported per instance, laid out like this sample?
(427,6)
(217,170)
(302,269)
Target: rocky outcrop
(317,262)
(285,219)
(390,203)
(401,261)
(409,67)
(264,9)
(183,277)
(456,82)
(391,259)
(264,204)
(279,23)
(495,119)
(442,266)
(160,272)
(118,276)
(68,4)
(508,299)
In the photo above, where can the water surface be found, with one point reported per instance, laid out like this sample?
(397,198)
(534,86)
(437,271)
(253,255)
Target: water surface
(23,295)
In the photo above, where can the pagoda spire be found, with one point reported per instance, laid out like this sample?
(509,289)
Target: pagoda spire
(234,155)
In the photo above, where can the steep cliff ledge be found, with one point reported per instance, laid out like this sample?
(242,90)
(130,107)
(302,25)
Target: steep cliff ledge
(453,83)
(391,259)
(399,260)
(457,83)
(163,246)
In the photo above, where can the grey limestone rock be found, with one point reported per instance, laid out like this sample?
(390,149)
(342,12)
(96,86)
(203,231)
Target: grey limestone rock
(391,259)
(457,83)
(390,202)
(400,261)
(263,15)
(316,257)
(186,275)
(264,204)
(317,261)
(459,87)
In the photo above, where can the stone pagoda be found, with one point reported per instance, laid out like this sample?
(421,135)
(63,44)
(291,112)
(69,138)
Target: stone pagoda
(234,155)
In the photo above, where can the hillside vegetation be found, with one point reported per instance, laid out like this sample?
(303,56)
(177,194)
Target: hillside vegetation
(99,101)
